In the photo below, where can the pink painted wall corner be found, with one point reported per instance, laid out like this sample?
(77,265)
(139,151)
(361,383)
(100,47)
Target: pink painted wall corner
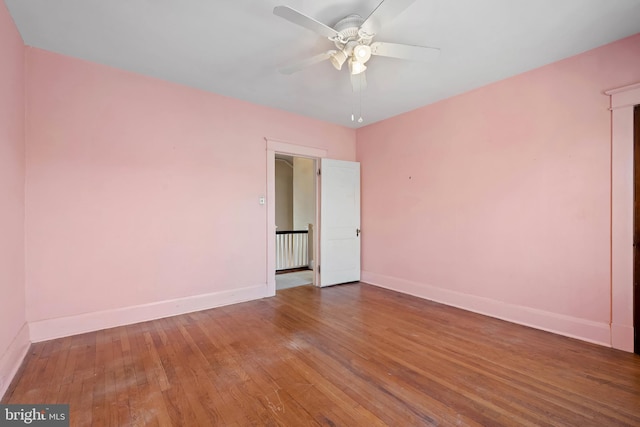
(502,193)
(14,337)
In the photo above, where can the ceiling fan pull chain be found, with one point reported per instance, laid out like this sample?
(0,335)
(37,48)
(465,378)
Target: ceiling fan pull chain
(353,105)
(360,120)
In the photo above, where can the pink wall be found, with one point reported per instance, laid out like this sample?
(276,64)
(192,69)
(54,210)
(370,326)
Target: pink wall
(140,191)
(12,299)
(498,200)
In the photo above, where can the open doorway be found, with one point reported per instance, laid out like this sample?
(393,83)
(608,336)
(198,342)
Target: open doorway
(274,146)
(295,218)
(339,252)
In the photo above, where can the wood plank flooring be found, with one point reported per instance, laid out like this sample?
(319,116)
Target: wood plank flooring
(351,355)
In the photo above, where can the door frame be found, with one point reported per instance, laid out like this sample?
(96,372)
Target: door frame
(623,102)
(274,146)
(636,229)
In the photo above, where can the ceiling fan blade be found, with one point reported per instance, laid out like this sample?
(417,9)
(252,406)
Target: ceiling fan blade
(305,21)
(358,82)
(304,63)
(405,51)
(386,11)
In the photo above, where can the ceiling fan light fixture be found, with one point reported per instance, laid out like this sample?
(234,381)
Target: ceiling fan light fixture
(356,67)
(362,53)
(337,59)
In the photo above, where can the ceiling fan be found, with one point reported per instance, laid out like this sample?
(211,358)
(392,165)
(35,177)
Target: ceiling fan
(353,39)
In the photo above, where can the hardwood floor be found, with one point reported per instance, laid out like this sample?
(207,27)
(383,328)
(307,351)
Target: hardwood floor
(351,355)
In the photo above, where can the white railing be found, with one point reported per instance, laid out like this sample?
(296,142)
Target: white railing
(292,249)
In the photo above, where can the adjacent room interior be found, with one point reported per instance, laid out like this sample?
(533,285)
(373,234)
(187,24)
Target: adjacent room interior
(155,178)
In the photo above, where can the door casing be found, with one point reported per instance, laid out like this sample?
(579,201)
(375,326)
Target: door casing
(623,100)
(282,147)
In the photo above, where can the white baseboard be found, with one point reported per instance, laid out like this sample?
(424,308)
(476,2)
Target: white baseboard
(585,330)
(43,330)
(12,358)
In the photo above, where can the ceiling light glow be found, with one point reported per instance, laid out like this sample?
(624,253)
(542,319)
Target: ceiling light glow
(362,53)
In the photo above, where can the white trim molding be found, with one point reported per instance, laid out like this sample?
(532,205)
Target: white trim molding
(12,358)
(43,330)
(284,147)
(623,100)
(586,330)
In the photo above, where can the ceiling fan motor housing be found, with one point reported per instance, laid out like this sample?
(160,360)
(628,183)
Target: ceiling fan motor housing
(350,22)
(348,28)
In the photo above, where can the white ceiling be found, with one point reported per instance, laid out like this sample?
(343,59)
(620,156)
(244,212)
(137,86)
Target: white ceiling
(234,47)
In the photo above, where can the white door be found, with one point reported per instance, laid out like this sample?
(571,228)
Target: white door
(339,222)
